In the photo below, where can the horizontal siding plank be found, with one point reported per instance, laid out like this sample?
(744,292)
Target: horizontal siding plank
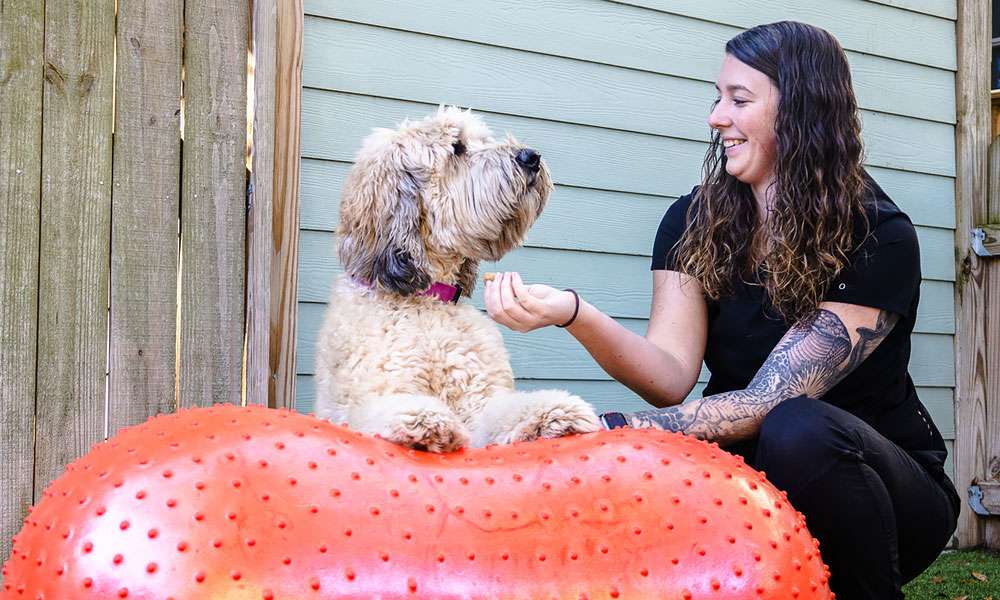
(940,403)
(936,311)
(862,26)
(946,9)
(612,396)
(365,60)
(550,353)
(890,142)
(927,199)
(616,33)
(333,125)
(937,252)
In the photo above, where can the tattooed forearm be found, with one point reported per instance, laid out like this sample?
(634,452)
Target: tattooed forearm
(811,358)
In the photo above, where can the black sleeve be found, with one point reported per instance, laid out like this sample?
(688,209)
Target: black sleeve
(669,233)
(884,272)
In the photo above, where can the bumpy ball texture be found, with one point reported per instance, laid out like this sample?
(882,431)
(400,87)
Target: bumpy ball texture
(252,503)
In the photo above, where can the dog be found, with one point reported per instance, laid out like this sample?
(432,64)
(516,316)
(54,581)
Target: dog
(397,354)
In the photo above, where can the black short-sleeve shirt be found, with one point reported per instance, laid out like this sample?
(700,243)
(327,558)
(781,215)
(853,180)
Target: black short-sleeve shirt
(884,273)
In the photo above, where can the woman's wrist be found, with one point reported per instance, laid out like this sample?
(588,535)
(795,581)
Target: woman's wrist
(583,316)
(566,322)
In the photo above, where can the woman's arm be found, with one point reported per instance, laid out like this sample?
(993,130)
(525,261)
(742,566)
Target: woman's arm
(812,357)
(662,367)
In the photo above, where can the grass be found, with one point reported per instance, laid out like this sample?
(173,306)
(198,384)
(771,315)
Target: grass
(964,575)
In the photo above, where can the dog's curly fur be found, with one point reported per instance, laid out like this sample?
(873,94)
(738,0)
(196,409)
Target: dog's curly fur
(426,203)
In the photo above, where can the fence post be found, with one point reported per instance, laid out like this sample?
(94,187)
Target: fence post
(972,132)
(285,232)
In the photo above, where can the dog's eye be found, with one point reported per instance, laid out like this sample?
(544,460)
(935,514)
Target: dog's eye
(458,148)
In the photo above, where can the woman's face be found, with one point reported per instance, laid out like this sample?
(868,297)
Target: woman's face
(744,117)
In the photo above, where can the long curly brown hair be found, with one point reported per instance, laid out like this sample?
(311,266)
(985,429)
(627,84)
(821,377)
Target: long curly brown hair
(818,186)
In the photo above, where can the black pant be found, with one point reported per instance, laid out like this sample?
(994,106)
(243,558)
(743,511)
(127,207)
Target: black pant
(880,517)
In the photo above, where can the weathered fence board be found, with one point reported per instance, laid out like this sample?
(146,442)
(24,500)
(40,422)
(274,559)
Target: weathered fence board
(213,203)
(144,216)
(285,226)
(21,37)
(260,206)
(75,227)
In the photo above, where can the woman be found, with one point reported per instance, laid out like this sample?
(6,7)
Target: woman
(796,279)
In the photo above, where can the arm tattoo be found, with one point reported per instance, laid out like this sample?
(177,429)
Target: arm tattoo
(812,357)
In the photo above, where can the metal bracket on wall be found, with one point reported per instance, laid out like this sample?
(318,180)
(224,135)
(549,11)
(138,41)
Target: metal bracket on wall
(986,241)
(983,498)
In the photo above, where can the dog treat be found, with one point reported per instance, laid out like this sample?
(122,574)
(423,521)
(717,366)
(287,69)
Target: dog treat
(489,276)
(263,503)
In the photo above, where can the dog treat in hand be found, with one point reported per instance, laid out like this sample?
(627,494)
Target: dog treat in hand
(489,276)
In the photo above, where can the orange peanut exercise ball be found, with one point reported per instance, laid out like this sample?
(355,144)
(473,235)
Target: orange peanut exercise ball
(253,503)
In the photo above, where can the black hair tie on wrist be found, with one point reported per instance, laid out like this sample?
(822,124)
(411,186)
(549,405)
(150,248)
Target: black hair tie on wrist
(576,309)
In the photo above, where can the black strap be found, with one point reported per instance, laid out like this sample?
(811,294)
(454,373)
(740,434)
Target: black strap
(613,420)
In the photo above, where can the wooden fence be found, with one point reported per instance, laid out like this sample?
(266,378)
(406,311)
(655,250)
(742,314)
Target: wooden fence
(141,250)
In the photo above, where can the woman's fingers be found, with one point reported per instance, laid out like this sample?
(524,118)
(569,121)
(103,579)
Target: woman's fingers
(501,306)
(511,303)
(518,306)
(524,296)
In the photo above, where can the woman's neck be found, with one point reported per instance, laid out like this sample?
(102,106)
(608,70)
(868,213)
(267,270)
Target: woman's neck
(763,194)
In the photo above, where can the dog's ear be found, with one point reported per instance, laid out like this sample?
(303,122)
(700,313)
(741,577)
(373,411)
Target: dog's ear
(379,233)
(467,275)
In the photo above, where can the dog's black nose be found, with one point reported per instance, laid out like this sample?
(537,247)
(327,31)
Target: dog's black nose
(529,159)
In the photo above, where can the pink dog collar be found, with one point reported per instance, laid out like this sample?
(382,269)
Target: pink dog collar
(443,292)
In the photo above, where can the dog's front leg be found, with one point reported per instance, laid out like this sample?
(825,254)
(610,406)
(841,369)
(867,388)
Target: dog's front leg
(411,420)
(521,416)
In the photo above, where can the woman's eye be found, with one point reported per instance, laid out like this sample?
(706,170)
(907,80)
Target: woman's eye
(458,148)
(739,102)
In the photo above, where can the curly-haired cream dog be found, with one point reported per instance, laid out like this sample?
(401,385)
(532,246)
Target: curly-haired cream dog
(398,355)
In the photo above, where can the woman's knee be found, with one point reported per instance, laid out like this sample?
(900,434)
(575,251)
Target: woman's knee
(802,435)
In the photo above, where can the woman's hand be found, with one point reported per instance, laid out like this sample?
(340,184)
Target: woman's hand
(525,308)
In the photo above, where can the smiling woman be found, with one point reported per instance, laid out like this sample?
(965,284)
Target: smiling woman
(796,280)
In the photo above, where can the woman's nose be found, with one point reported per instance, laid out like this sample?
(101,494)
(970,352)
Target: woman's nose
(718,117)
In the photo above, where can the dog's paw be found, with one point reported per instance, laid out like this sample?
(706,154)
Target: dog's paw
(430,430)
(554,413)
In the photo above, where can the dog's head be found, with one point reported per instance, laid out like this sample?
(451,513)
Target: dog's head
(427,201)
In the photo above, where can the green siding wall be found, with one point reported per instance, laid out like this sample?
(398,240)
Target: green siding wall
(615,95)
